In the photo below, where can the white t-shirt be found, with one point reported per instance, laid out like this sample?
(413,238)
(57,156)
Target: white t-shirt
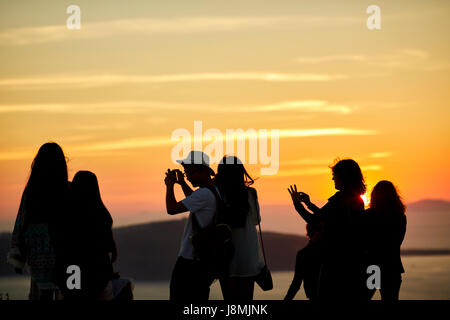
(202,203)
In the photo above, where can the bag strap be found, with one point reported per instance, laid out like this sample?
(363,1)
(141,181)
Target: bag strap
(262,244)
(260,235)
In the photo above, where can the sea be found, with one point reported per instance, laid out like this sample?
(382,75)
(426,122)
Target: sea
(426,278)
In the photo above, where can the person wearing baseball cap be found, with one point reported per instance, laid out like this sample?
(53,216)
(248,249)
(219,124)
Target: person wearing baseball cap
(197,158)
(190,279)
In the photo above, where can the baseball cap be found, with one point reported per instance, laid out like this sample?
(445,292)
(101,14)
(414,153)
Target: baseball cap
(197,158)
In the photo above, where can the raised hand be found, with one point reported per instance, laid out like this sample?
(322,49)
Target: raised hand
(304,198)
(298,196)
(180,176)
(171,178)
(295,195)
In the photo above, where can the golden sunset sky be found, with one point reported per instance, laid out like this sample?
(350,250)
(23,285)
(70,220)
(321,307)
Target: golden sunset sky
(112,93)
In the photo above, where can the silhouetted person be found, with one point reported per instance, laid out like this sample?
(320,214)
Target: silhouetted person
(191,278)
(242,215)
(307,265)
(85,239)
(43,200)
(342,275)
(386,224)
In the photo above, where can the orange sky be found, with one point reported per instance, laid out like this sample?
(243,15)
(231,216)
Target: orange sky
(112,93)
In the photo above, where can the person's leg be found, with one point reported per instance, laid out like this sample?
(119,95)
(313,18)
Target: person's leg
(107,293)
(246,287)
(34,292)
(40,294)
(201,281)
(178,281)
(230,291)
(58,295)
(390,287)
(238,288)
(190,281)
(328,284)
(225,288)
(46,294)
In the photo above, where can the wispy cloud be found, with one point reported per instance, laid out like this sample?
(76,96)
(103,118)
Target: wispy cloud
(296,133)
(238,135)
(318,171)
(164,141)
(16,155)
(126,144)
(332,58)
(85,108)
(181,25)
(401,58)
(309,161)
(132,107)
(380,154)
(99,80)
(302,105)
(326,161)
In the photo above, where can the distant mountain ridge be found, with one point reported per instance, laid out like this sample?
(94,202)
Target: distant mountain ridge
(429,204)
(148,251)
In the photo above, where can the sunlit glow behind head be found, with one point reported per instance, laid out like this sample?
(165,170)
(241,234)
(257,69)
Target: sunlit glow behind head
(366,199)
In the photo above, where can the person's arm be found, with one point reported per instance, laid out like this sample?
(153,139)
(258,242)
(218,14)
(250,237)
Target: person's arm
(298,198)
(184,186)
(186,189)
(305,214)
(15,255)
(303,197)
(112,247)
(172,206)
(311,206)
(402,229)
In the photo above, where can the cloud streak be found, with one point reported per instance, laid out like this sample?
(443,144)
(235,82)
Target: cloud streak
(166,26)
(302,105)
(318,171)
(377,155)
(401,58)
(131,107)
(166,141)
(101,80)
(283,133)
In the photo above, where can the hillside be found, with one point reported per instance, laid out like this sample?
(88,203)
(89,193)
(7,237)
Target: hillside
(148,251)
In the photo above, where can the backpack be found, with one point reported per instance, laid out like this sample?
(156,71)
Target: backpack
(212,244)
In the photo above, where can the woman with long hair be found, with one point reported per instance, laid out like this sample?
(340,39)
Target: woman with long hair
(43,200)
(341,274)
(86,240)
(387,228)
(242,215)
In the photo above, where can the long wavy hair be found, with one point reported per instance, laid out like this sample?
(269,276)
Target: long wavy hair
(386,199)
(47,184)
(349,173)
(233,181)
(86,201)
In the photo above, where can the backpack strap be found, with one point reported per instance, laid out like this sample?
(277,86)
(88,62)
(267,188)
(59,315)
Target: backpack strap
(262,243)
(216,194)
